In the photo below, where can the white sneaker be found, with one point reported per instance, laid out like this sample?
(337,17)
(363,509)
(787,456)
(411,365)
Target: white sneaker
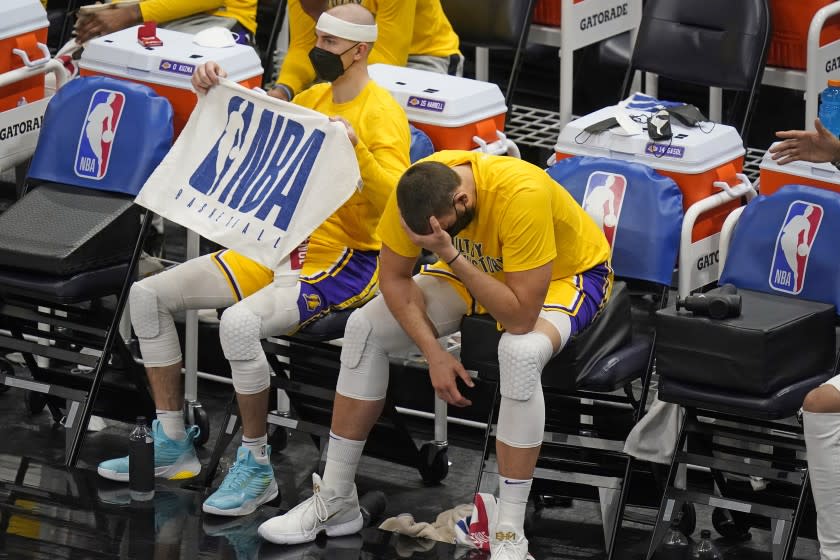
(324,511)
(505,544)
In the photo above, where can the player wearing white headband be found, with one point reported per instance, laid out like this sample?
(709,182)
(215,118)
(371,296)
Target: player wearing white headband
(341,271)
(411,33)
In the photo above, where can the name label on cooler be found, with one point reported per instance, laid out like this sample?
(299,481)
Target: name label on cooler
(426,104)
(665,150)
(176,67)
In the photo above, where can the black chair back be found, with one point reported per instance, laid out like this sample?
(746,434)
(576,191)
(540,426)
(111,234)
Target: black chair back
(495,24)
(714,43)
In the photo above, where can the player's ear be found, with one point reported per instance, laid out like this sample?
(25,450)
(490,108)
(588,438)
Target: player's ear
(362,49)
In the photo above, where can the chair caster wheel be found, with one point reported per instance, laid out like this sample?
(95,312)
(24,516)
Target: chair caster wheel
(433,463)
(731,525)
(202,420)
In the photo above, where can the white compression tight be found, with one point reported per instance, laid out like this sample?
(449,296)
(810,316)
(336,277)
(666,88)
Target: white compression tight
(372,333)
(822,437)
(199,284)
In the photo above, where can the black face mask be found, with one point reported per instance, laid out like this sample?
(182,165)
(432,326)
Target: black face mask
(328,65)
(461,221)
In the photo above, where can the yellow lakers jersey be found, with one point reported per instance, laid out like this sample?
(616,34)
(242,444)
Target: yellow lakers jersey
(382,150)
(523,220)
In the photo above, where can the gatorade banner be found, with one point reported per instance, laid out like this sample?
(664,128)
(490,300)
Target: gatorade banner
(254,174)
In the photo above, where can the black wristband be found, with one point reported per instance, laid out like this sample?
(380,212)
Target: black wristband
(452,260)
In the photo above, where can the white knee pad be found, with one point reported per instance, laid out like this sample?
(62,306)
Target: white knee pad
(143,304)
(364,364)
(154,327)
(522,423)
(250,376)
(521,361)
(239,333)
(522,408)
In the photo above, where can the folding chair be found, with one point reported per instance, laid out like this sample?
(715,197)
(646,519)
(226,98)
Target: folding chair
(588,387)
(492,25)
(717,44)
(70,247)
(732,410)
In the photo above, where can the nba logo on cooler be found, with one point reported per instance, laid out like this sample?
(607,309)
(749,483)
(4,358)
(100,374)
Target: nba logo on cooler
(603,200)
(793,246)
(98,131)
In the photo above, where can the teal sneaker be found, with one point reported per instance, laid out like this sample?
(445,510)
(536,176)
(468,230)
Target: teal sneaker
(174,460)
(248,484)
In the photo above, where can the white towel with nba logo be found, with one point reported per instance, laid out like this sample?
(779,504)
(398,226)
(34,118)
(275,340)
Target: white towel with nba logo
(254,174)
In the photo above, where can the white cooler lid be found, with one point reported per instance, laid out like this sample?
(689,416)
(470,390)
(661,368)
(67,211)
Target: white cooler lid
(691,150)
(120,55)
(439,99)
(820,171)
(21,16)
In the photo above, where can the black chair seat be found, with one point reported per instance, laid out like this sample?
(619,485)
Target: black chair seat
(61,230)
(781,404)
(619,368)
(328,327)
(80,287)
(601,358)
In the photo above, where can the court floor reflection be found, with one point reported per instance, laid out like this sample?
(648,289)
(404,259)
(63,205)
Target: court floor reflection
(53,513)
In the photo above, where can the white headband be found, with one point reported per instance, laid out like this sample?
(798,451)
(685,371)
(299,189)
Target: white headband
(346,30)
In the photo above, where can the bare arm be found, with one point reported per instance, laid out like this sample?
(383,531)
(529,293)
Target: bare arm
(407,304)
(405,300)
(515,303)
(816,146)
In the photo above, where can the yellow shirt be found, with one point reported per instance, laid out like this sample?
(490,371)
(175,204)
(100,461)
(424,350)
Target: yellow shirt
(523,220)
(243,11)
(406,27)
(382,150)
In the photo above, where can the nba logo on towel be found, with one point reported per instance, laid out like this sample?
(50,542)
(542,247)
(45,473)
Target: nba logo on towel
(98,131)
(793,246)
(603,200)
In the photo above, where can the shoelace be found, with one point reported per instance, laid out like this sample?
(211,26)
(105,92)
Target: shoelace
(321,512)
(237,475)
(508,545)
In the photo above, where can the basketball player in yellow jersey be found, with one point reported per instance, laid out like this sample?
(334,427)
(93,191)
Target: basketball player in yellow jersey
(412,33)
(511,242)
(340,271)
